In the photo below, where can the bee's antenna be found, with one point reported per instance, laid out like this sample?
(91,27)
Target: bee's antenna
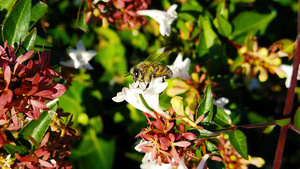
(127,73)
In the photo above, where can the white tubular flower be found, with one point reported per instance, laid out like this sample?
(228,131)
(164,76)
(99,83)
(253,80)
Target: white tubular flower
(203,161)
(80,57)
(182,164)
(132,97)
(151,94)
(221,102)
(288,69)
(164,18)
(147,163)
(180,68)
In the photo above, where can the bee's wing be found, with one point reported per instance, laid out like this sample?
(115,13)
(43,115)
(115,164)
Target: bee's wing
(165,54)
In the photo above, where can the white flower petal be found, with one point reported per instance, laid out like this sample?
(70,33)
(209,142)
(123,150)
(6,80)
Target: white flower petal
(288,69)
(171,11)
(132,98)
(221,102)
(182,164)
(67,64)
(180,68)
(164,18)
(80,57)
(80,46)
(203,161)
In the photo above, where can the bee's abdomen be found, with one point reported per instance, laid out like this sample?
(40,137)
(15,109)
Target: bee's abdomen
(162,70)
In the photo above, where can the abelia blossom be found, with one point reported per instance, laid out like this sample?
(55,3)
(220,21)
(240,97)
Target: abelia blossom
(120,13)
(288,70)
(79,57)
(180,68)
(164,18)
(150,94)
(221,102)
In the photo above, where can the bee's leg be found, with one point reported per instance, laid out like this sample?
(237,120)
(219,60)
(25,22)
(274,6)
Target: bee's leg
(148,84)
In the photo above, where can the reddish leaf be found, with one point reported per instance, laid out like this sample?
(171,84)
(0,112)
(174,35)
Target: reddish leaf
(164,143)
(3,138)
(159,125)
(45,163)
(21,59)
(119,4)
(189,136)
(59,90)
(7,76)
(182,144)
(33,140)
(5,98)
(38,104)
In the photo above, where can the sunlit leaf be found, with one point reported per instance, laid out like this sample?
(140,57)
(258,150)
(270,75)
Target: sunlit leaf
(221,117)
(202,133)
(27,44)
(250,22)
(223,26)
(37,12)
(206,106)
(283,122)
(297,119)
(269,129)
(37,128)
(238,141)
(16,25)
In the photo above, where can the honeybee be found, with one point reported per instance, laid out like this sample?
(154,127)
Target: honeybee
(146,71)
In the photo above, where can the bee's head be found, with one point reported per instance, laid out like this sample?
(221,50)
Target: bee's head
(136,74)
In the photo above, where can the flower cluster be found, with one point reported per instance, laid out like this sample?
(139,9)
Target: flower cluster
(121,13)
(232,159)
(255,60)
(167,141)
(162,142)
(25,86)
(52,150)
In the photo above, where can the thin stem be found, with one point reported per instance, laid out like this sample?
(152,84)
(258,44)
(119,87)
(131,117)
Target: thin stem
(289,101)
(246,127)
(294,129)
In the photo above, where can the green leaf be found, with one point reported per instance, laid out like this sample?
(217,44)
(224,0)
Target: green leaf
(16,25)
(222,25)
(12,149)
(7,4)
(211,147)
(221,117)
(37,128)
(206,106)
(191,7)
(202,133)
(112,58)
(80,17)
(250,22)
(94,152)
(238,141)
(283,122)
(27,44)
(134,38)
(269,129)
(208,38)
(297,119)
(38,11)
